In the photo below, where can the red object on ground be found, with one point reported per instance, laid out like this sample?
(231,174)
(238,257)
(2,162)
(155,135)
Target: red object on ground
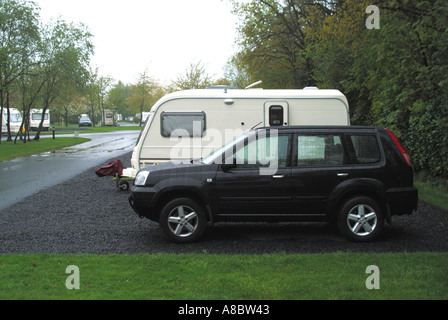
(111,170)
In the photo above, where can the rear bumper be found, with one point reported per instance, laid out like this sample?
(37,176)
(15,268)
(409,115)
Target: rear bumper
(402,201)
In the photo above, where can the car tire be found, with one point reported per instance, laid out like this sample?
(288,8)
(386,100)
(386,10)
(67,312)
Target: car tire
(361,219)
(183,220)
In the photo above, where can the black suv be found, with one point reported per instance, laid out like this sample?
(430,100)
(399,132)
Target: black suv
(357,177)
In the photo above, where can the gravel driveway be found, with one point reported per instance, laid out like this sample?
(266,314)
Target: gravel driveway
(88,214)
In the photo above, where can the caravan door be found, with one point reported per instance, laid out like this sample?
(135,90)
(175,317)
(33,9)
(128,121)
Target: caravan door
(276,113)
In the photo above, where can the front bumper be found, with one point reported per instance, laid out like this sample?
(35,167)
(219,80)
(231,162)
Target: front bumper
(141,201)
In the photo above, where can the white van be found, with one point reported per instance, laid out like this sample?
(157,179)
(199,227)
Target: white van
(191,124)
(36,118)
(15,120)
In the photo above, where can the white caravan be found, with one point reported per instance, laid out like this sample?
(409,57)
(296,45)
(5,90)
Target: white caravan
(36,118)
(15,120)
(108,118)
(191,124)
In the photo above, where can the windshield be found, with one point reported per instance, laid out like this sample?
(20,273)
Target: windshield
(215,156)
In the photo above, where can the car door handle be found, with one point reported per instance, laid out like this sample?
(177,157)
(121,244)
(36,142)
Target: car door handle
(343,174)
(278,176)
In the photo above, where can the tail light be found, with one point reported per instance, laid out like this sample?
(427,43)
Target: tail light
(403,152)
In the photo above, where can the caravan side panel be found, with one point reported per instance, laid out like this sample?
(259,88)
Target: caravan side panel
(222,123)
(322,111)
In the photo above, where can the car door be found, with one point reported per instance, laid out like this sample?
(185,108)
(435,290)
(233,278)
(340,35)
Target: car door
(259,183)
(320,164)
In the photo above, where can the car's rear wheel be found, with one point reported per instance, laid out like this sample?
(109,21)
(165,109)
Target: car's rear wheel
(183,220)
(361,219)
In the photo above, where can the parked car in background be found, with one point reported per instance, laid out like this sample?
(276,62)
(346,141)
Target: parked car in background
(355,177)
(85,122)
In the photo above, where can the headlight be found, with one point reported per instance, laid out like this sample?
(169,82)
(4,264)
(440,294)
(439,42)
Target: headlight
(140,179)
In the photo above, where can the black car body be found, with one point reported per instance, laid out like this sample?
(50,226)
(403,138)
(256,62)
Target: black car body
(357,177)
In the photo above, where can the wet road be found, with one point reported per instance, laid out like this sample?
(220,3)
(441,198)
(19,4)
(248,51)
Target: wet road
(23,177)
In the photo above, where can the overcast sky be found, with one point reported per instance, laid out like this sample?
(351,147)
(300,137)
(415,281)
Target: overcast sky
(163,37)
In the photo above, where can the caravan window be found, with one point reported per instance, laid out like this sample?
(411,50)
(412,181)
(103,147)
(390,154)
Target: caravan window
(182,124)
(38,116)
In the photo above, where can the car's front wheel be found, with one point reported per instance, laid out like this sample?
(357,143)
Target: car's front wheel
(361,219)
(183,220)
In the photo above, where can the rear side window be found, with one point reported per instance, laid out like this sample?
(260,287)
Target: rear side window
(319,150)
(366,149)
(182,124)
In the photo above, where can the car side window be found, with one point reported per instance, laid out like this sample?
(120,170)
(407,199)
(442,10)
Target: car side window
(319,150)
(366,149)
(264,151)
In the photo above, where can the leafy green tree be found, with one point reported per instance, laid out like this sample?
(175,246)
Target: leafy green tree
(195,77)
(394,76)
(65,53)
(118,97)
(145,92)
(19,36)
(274,43)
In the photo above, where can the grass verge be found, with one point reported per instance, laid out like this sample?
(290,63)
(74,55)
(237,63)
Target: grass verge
(9,150)
(70,130)
(434,194)
(225,277)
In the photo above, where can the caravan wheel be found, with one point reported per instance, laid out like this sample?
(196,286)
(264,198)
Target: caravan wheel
(123,185)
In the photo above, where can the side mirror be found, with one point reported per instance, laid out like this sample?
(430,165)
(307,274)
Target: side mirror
(228,164)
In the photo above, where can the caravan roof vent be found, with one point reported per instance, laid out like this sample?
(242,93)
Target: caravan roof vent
(311,88)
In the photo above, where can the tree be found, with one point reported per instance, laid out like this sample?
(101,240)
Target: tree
(145,92)
(19,35)
(91,94)
(118,97)
(195,77)
(65,55)
(394,76)
(236,73)
(103,84)
(273,44)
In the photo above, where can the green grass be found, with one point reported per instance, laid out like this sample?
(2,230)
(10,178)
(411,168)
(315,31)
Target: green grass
(225,277)
(72,129)
(432,193)
(9,150)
